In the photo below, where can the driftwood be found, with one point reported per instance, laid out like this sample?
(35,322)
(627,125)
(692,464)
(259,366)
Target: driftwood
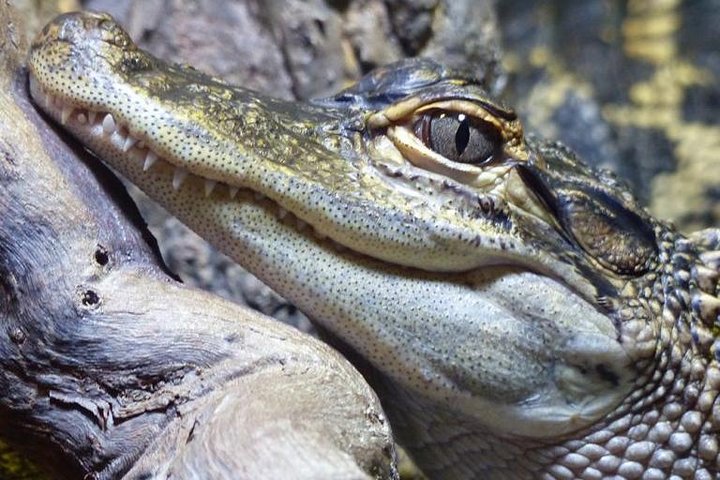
(108,366)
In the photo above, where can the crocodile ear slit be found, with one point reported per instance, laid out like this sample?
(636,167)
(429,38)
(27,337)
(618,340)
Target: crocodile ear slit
(612,235)
(615,236)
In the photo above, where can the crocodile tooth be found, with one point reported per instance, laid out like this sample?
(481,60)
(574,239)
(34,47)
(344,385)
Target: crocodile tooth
(150,160)
(108,124)
(92,115)
(81,118)
(49,101)
(65,114)
(209,186)
(129,143)
(233,191)
(282,213)
(179,177)
(120,136)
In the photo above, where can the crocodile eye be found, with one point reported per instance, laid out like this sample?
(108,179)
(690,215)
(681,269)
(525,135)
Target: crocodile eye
(459,137)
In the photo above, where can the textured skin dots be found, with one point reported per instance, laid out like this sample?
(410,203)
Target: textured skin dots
(528,318)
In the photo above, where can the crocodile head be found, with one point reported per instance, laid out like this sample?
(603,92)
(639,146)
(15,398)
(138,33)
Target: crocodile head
(523,312)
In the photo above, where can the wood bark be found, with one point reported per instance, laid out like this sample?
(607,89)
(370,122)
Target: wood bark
(110,367)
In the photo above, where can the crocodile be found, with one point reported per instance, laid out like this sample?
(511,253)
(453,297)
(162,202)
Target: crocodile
(520,314)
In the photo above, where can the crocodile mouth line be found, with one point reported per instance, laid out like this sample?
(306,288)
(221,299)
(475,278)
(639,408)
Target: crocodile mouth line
(135,156)
(102,126)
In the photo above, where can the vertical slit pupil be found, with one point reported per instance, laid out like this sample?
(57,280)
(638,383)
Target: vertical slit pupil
(462,136)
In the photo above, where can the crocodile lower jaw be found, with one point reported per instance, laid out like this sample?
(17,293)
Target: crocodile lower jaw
(100,127)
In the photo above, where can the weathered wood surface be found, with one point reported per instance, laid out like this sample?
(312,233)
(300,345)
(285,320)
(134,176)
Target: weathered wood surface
(108,366)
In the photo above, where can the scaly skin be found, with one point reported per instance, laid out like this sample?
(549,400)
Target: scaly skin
(526,318)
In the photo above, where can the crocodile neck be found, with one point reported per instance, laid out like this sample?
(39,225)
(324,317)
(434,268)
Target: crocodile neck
(525,313)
